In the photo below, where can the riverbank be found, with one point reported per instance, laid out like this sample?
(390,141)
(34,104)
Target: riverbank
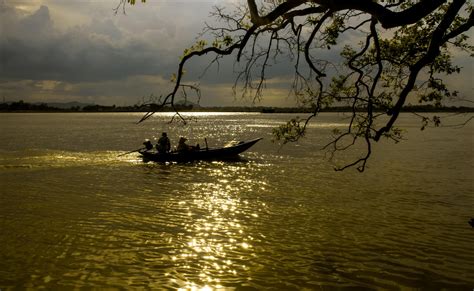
(24,107)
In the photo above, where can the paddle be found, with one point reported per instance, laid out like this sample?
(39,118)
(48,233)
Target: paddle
(131,152)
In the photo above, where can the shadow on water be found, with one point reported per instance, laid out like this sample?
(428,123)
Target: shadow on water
(226,160)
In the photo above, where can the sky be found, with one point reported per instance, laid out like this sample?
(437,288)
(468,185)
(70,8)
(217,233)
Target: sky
(64,51)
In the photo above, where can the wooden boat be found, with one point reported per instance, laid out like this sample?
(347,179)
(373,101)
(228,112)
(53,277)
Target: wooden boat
(230,151)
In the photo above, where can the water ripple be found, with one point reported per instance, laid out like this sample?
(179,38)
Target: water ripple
(279,219)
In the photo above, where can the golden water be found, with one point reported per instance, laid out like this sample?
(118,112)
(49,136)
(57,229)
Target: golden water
(73,214)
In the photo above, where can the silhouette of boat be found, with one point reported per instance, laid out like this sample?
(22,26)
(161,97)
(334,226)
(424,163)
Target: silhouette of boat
(228,152)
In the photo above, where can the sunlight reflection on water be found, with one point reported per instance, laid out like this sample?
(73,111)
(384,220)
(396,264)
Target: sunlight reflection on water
(54,159)
(203,114)
(75,215)
(217,241)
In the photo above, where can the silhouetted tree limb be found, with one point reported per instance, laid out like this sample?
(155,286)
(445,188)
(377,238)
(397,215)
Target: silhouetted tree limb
(380,73)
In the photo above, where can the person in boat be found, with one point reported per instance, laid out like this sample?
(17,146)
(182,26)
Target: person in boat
(164,145)
(148,145)
(183,147)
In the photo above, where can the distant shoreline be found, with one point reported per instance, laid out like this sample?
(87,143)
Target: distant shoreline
(332,110)
(23,107)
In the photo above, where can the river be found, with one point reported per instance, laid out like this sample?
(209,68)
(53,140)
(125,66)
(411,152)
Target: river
(75,215)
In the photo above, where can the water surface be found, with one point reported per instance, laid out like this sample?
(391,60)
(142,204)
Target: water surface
(73,214)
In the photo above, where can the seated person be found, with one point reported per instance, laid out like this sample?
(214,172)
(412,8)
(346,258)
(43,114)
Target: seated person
(183,147)
(148,145)
(163,145)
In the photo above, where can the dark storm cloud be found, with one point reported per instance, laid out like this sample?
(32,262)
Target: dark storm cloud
(82,51)
(109,48)
(33,49)
(61,51)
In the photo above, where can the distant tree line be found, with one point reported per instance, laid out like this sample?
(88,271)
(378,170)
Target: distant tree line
(21,106)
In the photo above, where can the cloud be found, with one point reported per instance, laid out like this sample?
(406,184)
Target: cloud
(82,51)
(32,48)
(40,44)
(222,94)
(96,56)
(130,90)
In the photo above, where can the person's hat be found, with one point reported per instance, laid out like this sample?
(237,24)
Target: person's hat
(163,134)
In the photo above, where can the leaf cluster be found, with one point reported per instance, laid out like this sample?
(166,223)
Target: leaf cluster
(293,130)
(132,2)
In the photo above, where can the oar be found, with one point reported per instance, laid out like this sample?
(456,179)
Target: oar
(131,152)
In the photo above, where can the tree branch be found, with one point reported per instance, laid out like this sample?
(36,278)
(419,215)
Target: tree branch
(432,52)
(383,14)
